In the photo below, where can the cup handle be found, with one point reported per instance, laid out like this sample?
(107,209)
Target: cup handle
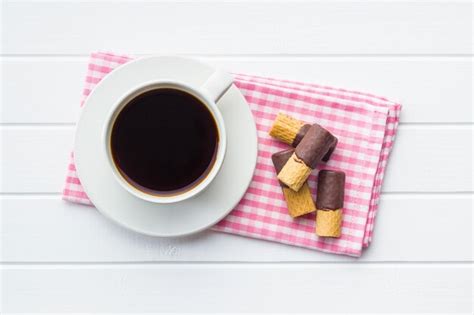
(217,84)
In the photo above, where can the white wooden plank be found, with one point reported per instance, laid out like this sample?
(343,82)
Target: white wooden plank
(321,27)
(46,90)
(425,159)
(218,288)
(34,159)
(41,92)
(431,158)
(408,228)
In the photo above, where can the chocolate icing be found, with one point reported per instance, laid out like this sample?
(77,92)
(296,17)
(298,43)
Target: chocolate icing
(279,160)
(330,190)
(331,150)
(314,145)
(303,130)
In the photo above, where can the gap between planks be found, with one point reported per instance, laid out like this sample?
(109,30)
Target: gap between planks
(254,56)
(394,195)
(71,125)
(249,1)
(226,264)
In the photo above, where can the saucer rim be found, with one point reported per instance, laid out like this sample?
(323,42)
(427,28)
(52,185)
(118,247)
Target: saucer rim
(109,213)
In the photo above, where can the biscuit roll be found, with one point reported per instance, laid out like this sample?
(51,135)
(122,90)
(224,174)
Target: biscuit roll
(329,203)
(288,129)
(300,202)
(311,150)
(291,131)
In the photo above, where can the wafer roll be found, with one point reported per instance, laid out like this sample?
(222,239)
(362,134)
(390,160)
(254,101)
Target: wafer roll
(300,202)
(308,153)
(288,129)
(291,131)
(329,203)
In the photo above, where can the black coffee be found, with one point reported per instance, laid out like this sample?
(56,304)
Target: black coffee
(164,141)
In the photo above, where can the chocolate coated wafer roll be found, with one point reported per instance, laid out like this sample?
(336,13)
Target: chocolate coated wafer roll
(310,151)
(329,203)
(300,202)
(288,129)
(291,131)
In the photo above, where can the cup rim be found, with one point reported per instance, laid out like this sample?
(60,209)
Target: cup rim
(148,86)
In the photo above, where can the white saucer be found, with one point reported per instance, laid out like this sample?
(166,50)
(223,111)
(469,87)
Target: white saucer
(182,218)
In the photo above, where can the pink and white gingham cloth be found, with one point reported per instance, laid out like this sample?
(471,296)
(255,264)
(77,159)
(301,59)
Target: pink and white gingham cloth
(365,125)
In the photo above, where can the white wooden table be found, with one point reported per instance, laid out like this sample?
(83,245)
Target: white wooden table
(59,257)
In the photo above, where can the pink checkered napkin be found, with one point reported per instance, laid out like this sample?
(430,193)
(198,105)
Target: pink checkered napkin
(365,125)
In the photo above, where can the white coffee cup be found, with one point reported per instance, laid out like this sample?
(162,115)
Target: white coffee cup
(208,94)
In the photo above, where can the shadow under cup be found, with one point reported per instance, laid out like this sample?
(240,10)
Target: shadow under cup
(163,141)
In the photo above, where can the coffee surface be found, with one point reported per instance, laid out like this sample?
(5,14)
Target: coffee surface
(164,141)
